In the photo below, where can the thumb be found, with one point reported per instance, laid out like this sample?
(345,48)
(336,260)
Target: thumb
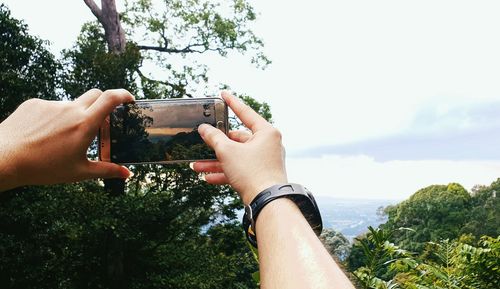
(214,137)
(107,170)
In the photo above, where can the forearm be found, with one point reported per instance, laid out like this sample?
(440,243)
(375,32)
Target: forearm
(290,254)
(8,177)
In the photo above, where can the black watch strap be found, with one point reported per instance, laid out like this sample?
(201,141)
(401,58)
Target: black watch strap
(295,192)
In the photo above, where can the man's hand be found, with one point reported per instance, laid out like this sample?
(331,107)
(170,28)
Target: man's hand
(248,162)
(45,142)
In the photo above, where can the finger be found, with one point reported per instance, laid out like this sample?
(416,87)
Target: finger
(207,167)
(240,135)
(89,97)
(216,179)
(214,137)
(106,170)
(107,101)
(248,116)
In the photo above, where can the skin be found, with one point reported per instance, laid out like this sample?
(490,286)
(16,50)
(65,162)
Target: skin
(45,142)
(290,254)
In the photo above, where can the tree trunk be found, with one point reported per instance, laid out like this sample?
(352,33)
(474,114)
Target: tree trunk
(115,37)
(110,20)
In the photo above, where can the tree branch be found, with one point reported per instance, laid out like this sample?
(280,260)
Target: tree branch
(94,8)
(162,34)
(187,49)
(169,50)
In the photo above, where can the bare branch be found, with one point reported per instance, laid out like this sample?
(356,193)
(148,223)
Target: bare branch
(187,49)
(94,8)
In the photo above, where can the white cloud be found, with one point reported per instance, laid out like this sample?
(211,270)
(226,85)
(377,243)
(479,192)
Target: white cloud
(452,131)
(453,114)
(363,177)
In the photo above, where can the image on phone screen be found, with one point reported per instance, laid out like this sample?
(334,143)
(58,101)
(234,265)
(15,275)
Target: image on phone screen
(161,131)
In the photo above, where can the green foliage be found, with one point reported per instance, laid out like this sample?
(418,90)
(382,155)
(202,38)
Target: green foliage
(444,264)
(27,68)
(89,65)
(455,264)
(169,229)
(71,236)
(174,36)
(434,213)
(445,212)
(447,258)
(336,243)
(378,253)
(481,265)
(442,269)
(196,26)
(484,215)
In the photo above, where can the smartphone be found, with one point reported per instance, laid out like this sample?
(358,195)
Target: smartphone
(160,131)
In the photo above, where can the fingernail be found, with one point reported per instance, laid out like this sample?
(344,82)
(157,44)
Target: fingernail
(202,177)
(130,173)
(191,165)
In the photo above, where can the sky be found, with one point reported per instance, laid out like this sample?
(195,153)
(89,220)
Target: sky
(375,99)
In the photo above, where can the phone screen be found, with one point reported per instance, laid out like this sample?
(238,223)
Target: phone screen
(161,131)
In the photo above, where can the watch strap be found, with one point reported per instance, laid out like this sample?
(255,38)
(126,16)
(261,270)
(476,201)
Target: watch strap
(295,192)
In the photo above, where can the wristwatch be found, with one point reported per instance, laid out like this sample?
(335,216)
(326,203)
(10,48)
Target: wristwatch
(295,192)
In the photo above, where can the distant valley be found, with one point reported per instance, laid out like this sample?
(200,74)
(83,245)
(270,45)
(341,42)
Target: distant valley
(351,216)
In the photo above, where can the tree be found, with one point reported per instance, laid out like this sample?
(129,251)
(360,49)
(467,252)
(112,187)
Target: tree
(59,237)
(27,68)
(443,265)
(445,257)
(89,65)
(336,243)
(174,35)
(377,253)
(453,264)
(484,215)
(434,213)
